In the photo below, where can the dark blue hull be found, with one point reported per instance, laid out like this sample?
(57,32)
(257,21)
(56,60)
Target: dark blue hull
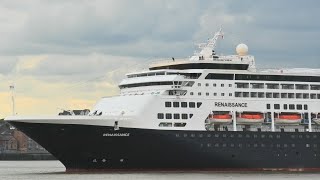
(84,147)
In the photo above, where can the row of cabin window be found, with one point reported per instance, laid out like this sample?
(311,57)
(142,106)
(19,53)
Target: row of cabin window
(277,86)
(290,106)
(183,104)
(255,145)
(270,136)
(214,85)
(207,94)
(169,124)
(175,116)
(278,95)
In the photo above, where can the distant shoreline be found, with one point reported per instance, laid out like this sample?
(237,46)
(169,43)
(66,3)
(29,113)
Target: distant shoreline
(25,156)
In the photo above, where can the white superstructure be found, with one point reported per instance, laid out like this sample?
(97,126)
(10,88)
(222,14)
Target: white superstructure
(200,92)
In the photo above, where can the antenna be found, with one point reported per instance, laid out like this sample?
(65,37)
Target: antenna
(207,49)
(12,99)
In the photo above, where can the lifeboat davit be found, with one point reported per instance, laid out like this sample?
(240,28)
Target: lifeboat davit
(286,118)
(250,118)
(225,118)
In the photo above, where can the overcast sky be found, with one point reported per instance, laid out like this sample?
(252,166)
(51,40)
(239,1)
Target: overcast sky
(69,53)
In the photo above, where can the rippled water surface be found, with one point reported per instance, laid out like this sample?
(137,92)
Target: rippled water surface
(55,170)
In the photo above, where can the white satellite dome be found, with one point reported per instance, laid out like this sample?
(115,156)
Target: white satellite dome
(242,49)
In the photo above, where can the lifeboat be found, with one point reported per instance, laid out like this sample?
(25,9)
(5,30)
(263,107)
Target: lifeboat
(250,118)
(220,118)
(286,118)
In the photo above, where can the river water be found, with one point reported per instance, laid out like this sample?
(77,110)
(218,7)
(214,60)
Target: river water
(55,170)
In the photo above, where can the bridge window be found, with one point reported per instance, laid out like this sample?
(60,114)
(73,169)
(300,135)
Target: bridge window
(176,116)
(199,104)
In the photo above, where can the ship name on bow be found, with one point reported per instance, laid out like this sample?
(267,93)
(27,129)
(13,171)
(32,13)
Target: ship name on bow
(116,134)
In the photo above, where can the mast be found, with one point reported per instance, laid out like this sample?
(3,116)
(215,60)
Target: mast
(12,99)
(207,49)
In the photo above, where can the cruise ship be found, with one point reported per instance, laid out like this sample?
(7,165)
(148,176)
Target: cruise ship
(205,112)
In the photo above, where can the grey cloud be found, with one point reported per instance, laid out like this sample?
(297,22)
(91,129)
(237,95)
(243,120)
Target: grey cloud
(160,28)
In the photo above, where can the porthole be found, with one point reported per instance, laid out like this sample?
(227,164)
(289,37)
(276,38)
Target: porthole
(201,135)
(270,136)
(308,136)
(224,145)
(208,135)
(314,136)
(216,135)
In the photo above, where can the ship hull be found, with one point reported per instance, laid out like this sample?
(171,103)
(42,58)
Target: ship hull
(85,147)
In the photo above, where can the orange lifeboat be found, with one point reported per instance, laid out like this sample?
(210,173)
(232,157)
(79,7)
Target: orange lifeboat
(250,118)
(220,118)
(287,118)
